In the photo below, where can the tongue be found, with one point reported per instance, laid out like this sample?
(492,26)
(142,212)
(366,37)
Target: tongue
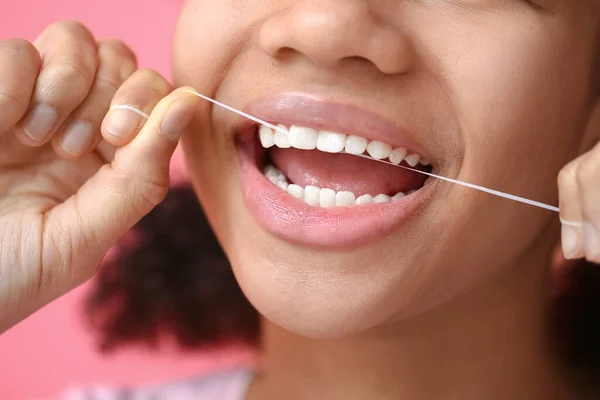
(344,172)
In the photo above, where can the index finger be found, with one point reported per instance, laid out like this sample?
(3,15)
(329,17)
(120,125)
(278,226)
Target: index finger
(19,67)
(69,55)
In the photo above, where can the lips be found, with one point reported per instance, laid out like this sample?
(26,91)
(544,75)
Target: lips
(306,110)
(286,205)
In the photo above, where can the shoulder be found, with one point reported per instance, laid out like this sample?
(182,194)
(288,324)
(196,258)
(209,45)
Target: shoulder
(229,385)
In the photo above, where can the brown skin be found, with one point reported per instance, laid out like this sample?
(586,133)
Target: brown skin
(500,92)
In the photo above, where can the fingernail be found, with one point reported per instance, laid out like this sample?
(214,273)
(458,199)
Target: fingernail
(77,138)
(177,120)
(570,242)
(122,123)
(39,122)
(590,239)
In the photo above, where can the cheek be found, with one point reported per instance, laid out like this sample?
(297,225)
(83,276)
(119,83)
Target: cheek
(519,90)
(209,34)
(207,38)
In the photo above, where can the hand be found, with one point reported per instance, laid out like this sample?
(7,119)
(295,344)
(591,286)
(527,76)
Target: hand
(579,192)
(74,179)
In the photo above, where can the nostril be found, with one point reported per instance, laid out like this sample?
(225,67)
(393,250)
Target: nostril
(285,53)
(358,61)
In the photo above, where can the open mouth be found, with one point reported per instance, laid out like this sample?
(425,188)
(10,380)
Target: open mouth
(318,181)
(321,168)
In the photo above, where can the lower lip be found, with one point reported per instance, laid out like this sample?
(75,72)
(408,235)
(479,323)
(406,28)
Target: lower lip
(295,221)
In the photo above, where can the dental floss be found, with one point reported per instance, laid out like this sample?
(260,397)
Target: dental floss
(243,114)
(486,190)
(472,186)
(461,183)
(571,223)
(130,108)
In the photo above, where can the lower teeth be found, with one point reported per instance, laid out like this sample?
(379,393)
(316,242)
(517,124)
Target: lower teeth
(326,198)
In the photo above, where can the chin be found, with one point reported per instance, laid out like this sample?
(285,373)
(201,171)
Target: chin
(317,294)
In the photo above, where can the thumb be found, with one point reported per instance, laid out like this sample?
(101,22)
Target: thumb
(87,225)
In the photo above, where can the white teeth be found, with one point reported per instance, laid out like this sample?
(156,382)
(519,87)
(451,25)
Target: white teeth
(303,138)
(297,191)
(364,199)
(413,160)
(331,142)
(398,196)
(312,195)
(327,198)
(267,138)
(382,198)
(356,144)
(283,185)
(273,173)
(282,139)
(345,199)
(397,155)
(379,150)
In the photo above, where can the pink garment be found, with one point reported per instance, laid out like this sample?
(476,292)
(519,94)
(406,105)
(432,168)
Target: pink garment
(231,385)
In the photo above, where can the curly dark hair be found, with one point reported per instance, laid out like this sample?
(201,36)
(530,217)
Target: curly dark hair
(171,278)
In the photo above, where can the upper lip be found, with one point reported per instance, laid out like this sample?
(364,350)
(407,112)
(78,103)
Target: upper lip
(313,111)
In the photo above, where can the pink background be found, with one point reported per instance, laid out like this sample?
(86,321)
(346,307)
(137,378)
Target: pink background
(52,350)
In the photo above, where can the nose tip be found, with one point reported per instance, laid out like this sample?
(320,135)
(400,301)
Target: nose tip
(328,32)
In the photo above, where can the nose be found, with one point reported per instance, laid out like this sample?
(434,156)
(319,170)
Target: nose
(328,32)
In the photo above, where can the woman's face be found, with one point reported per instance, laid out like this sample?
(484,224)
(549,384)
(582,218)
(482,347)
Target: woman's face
(492,92)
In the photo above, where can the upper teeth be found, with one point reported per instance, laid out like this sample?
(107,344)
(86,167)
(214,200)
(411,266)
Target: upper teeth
(300,138)
(304,138)
(281,140)
(331,142)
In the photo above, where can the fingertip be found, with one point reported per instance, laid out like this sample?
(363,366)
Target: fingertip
(178,117)
(159,136)
(570,241)
(122,124)
(187,89)
(75,140)
(591,242)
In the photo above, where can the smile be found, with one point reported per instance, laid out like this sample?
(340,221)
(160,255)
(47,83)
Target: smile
(305,138)
(305,184)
